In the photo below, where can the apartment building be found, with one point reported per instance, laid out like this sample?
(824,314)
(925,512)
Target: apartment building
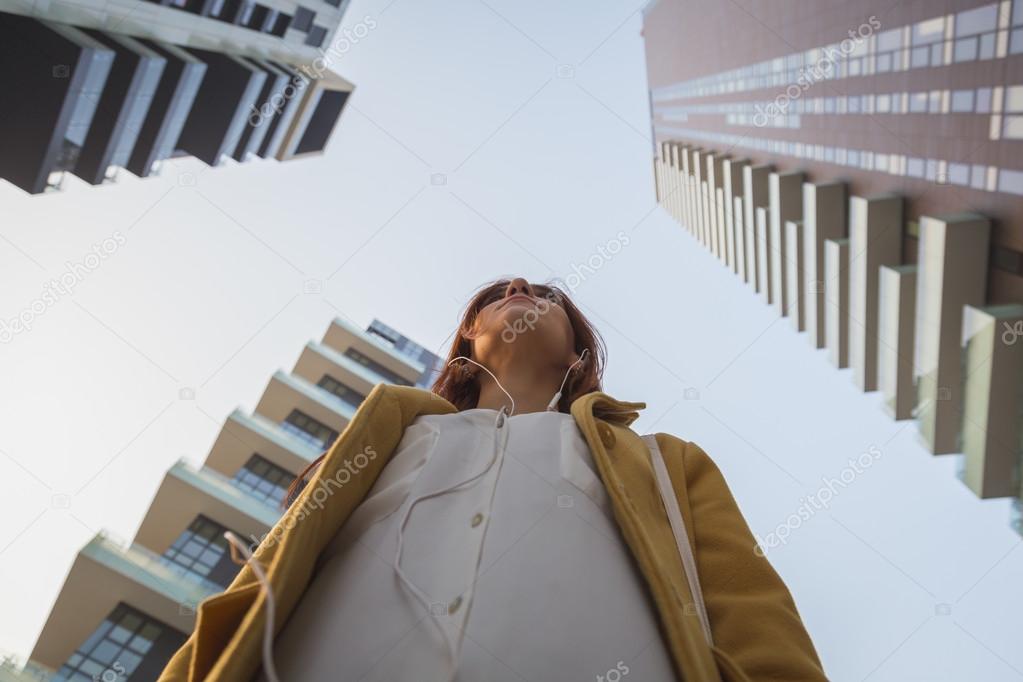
(125,608)
(860,167)
(110,86)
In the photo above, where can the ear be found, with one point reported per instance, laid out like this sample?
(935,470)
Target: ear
(577,362)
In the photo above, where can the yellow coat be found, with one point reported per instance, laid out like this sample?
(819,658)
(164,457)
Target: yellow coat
(756,629)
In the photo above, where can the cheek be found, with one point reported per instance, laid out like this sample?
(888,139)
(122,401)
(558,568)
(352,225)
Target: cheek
(564,325)
(487,328)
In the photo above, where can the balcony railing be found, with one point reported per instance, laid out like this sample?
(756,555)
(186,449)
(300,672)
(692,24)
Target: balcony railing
(151,569)
(223,488)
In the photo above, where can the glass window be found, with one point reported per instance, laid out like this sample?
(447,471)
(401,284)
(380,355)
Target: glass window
(978,177)
(929,31)
(984,101)
(966,49)
(977,20)
(959,173)
(200,548)
(376,367)
(1014,99)
(303,20)
(315,433)
(918,102)
(918,57)
(112,651)
(1010,181)
(1013,129)
(264,480)
(889,40)
(962,101)
(335,387)
(316,36)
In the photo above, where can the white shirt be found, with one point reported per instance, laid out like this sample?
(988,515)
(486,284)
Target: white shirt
(514,550)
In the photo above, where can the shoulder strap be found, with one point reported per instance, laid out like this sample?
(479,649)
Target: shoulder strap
(678,528)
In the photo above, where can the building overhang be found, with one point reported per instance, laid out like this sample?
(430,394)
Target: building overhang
(244,435)
(317,360)
(286,393)
(105,573)
(342,335)
(187,492)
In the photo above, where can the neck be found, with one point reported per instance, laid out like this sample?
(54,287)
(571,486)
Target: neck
(531,386)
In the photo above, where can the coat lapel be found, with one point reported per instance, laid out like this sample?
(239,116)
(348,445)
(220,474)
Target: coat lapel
(229,626)
(623,460)
(226,644)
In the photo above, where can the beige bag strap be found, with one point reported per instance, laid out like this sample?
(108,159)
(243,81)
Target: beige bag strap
(678,529)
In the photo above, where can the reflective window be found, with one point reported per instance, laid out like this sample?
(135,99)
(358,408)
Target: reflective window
(335,387)
(200,548)
(116,648)
(376,367)
(303,426)
(264,480)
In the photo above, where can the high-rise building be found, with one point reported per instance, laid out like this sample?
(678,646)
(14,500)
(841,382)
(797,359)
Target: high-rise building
(104,85)
(881,200)
(125,608)
(431,363)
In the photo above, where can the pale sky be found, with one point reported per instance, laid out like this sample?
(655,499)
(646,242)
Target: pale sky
(534,117)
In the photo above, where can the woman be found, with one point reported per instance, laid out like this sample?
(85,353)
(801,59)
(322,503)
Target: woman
(507,526)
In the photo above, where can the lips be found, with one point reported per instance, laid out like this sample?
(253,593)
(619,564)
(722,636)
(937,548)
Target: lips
(520,297)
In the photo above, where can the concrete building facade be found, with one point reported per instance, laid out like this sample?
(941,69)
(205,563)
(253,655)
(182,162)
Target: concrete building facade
(897,242)
(125,607)
(106,85)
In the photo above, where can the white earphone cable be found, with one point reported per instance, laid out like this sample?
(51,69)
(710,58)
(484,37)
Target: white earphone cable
(462,357)
(238,547)
(552,406)
(241,553)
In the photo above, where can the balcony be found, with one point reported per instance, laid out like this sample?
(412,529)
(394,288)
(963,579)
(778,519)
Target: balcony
(317,360)
(106,572)
(187,492)
(342,335)
(244,435)
(287,392)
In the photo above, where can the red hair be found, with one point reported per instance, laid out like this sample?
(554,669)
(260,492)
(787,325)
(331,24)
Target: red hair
(461,387)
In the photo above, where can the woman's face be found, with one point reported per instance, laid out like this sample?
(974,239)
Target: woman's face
(528,317)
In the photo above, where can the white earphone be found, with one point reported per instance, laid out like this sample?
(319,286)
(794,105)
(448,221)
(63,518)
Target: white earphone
(552,405)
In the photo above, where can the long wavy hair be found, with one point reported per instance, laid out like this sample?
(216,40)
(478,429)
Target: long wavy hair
(458,382)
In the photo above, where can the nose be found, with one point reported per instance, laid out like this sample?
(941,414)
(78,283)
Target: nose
(519,286)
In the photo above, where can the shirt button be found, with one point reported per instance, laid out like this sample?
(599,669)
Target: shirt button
(453,606)
(607,436)
(477,520)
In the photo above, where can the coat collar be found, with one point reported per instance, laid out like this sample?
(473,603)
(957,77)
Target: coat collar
(599,404)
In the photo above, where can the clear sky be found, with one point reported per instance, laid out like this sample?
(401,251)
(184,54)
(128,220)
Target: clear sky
(485,138)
